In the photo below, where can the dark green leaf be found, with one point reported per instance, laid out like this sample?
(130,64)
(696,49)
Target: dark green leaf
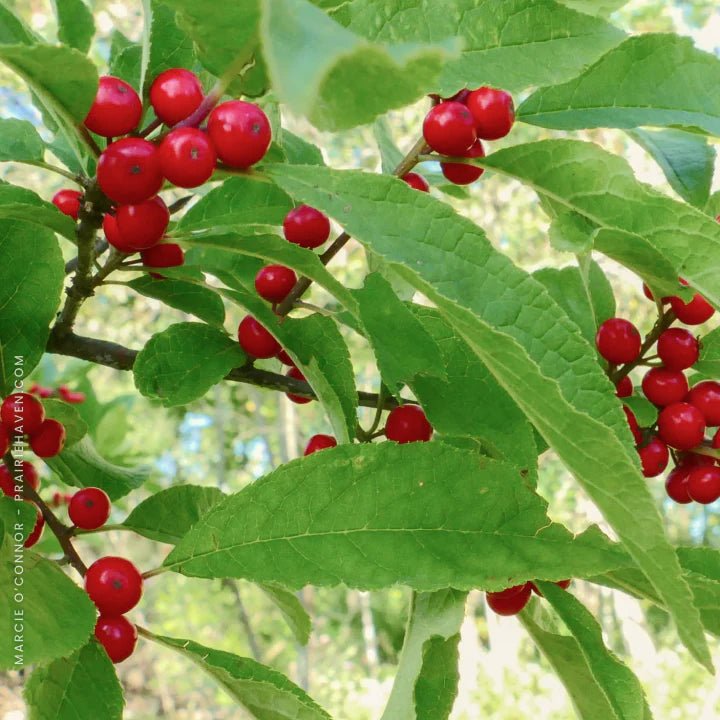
(436,687)
(76,26)
(292,610)
(17,203)
(645,412)
(299,151)
(125,59)
(170,47)
(13,29)
(19,141)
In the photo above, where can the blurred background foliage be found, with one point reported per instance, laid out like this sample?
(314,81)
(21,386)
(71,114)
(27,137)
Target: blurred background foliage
(238,433)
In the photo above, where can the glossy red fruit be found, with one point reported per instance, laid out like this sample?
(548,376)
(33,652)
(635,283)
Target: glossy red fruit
(4,440)
(175,94)
(71,396)
(143,225)
(68,202)
(117,635)
(293,372)
(187,157)
(116,109)
(665,387)
(113,235)
(695,312)
(319,442)
(255,340)
(416,181)
(624,388)
(49,439)
(679,349)
(461,173)
(449,128)
(705,396)
(240,132)
(408,423)
(114,585)
(128,171)
(163,255)
(285,359)
(633,424)
(510,592)
(681,426)
(274,282)
(37,531)
(676,485)
(29,475)
(618,341)
(703,484)
(307,227)
(654,457)
(493,111)
(22,413)
(511,605)
(89,508)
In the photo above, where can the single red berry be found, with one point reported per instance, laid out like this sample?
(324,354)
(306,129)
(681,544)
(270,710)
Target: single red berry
(163,255)
(274,282)
(37,531)
(128,171)
(89,508)
(187,157)
(144,224)
(113,235)
(654,457)
(618,341)
(117,635)
(22,413)
(695,312)
(285,359)
(319,442)
(511,605)
(294,373)
(665,387)
(8,479)
(70,396)
(307,227)
(681,426)
(416,181)
(705,396)
(116,109)
(49,440)
(240,132)
(449,128)
(175,94)
(114,585)
(703,484)
(408,423)
(68,202)
(493,111)
(462,173)
(255,340)
(676,485)
(4,440)
(510,592)
(633,424)
(624,388)
(679,349)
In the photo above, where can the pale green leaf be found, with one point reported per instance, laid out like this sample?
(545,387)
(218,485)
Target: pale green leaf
(18,203)
(75,427)
(76,26)
(292,610)
(18,517)
(595,7)
(570,232)
(19,141)
(390,154)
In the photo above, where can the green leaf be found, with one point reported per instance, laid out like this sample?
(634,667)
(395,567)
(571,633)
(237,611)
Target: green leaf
(645,412)
(125,59)
(512,44)
(433,617)
(337,79)
(80,687)
(299,151)
(390,154)
(660,80)
(292,610)
(169,514)
(30,288)
(181,363)
(187,297)
(595,7)
(57,615)
(20,142)
(436,688)
(13,29)
(170,47)
(75,427)
(76,26)
(82,466)
(18,203)
(520,333)
(265,693)
(570,232)
(422,514)
(17,517)
(709,362)
(712,207)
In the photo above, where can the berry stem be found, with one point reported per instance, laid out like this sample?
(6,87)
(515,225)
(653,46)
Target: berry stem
(89,140)
(77,179)
(154,125)
(77,532)
(155,572)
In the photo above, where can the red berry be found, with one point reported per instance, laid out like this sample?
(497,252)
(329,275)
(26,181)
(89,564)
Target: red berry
(144,224)
(703,484)
(654,457)
(416,181)
(255,340)
(128,171)
(676,485)
(22,413)
(648,293)
(70,396)
(665,387)
(163,255)
(4,440)
(716,440)
(117,635)
(49,440)
(461,173)
(705,396)
(293,372)
(113,235)
(175,95)
(633,424)
(187,157)
(116,109)
(319,442)
(274,282)
(114,585)
(37,531)
(493,111)
(68,202)
(618,341)
(89,508)
(624,388)
(240,132)
(449,128)
(7,479)
(408,423)
(307,227)
(510,592)
(511,605)
(285,359)
(678,349)
(681,426)
(696,312)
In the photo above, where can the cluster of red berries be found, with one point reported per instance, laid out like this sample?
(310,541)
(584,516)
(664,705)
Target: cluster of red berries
(685,413)
(23,415)
(513,599)
(63,392)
